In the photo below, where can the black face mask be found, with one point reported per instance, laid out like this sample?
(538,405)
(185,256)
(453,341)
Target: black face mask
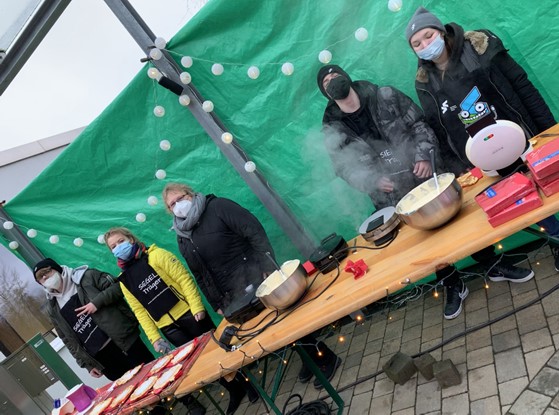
(338,88)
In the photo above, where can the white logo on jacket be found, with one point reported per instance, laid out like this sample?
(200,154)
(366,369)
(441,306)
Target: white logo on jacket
(444,106)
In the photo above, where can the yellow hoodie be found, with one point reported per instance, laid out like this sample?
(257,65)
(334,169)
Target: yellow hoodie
(171,270)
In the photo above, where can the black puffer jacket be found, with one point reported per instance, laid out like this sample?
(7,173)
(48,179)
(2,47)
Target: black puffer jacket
(477,59)
(227,251)
(404,138)
(113,316)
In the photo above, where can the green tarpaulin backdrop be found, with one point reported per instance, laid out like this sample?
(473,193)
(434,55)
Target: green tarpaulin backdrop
(105,177)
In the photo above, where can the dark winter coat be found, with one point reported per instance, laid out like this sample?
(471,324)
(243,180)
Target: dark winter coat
(403,137)
(477,58)
(113,316)
(227,251)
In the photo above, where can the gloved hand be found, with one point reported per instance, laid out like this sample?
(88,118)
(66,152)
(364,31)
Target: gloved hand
(161,346)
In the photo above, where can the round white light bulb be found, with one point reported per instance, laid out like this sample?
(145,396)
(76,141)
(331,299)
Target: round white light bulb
(208,106)
(227,138)
(153,73)
(185,78)
(8,225)
(141,217)
(159,111)
(13,245)
(184,100)
(155,54)
(394,5)
(250,166)
(160,174)
(54,239)
(253,72)
(31,233)
(152,200)
(186,61)
(101,239)
(361,34)
(165,145)
(325,56)
(78,242)
(160,43)
(217,69)
(287,68)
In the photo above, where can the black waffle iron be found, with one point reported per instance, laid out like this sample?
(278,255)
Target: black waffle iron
(243,308)
(328,255)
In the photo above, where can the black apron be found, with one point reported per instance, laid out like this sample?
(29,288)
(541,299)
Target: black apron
(148,287)
(88,333)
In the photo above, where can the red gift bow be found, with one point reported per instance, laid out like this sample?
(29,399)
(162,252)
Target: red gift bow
(358,269)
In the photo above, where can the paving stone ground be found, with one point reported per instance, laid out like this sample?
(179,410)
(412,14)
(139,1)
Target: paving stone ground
(507,367)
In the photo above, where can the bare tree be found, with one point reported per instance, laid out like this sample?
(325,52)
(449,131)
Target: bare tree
(19,306)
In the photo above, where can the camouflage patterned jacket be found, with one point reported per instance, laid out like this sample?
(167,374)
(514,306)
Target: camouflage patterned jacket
(403,139)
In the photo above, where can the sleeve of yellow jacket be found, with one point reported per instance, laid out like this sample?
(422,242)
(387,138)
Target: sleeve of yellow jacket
(168,265)
(142,315)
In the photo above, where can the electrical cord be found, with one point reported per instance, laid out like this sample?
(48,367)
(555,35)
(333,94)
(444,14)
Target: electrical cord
(316,407)
(254,331)
(456,336)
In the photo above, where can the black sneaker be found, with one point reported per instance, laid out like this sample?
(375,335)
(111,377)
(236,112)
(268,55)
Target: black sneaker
(455,296)
(501,272)
(328,371)
(305,374)
(555,252)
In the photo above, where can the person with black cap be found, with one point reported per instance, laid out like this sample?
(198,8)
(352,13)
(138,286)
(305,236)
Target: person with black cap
(88,311)
(463,76)
(376,137)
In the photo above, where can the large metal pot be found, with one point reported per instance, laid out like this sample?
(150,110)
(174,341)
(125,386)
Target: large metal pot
(425,207)
(277,292)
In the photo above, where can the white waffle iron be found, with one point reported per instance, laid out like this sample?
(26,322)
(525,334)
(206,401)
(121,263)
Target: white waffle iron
(497,146)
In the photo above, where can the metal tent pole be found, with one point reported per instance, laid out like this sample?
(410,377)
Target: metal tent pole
(213,126)
(31,35)
(26,249)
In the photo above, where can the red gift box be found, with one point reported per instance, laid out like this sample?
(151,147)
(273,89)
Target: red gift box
(544,161)
(546,180)
(550,188)
(526,204)
(504,193)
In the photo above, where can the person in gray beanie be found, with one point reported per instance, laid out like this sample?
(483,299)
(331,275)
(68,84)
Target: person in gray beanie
(453,66)
(376,137)
(421,19)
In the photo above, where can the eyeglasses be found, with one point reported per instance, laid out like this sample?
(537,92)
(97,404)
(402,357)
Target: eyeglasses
(42,273)
(172,204)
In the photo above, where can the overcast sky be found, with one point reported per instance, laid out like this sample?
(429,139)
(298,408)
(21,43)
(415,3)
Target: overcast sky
(80,67)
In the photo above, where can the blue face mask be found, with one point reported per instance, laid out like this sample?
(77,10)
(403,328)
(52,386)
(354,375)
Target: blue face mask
(123,250)
(433,51)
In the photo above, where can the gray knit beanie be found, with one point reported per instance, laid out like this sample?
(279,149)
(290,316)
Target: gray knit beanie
(421,19)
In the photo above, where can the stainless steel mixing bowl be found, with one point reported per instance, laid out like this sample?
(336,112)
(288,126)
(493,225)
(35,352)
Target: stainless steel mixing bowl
(287,292)
(425,208)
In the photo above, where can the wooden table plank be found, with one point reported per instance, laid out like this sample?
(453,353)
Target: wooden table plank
(414,254)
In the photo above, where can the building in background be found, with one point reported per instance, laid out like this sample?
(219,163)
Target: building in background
(21,298)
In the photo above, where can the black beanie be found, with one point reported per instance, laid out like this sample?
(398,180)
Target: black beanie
(325,70)
(421,19)
(45,263)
